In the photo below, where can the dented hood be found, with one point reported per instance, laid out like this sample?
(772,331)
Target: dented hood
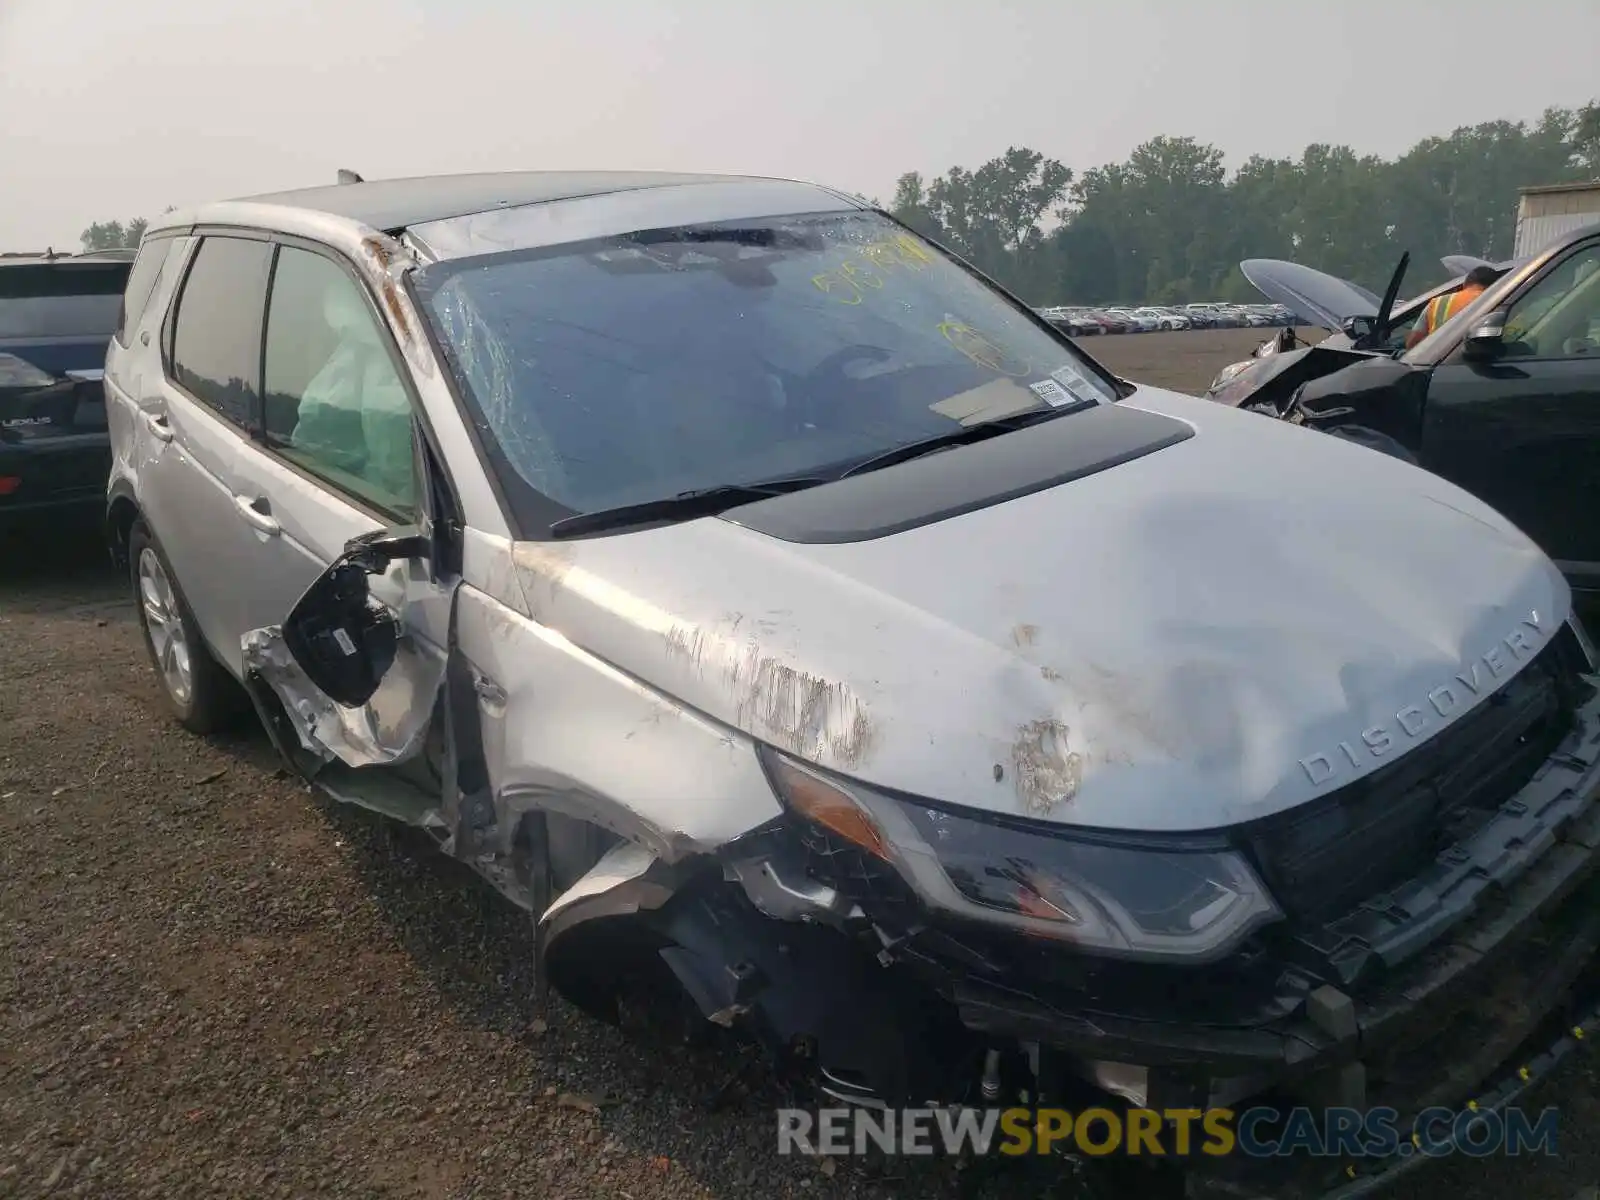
(1197,637)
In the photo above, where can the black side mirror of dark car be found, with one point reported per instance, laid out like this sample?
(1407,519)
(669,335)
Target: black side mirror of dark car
(1487,338)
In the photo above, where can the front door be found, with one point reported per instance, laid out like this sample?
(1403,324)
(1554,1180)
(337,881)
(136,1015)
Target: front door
(337,462)
(1522,430)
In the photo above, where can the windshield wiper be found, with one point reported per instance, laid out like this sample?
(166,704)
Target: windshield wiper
(709,501)
(966,435)
(700,502)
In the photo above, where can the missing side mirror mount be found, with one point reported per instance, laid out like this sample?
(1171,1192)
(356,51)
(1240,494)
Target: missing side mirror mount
(337,633)
(374,551)
(343,639)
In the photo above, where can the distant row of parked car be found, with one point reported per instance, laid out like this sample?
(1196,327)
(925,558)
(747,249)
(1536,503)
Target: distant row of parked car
(1081,321)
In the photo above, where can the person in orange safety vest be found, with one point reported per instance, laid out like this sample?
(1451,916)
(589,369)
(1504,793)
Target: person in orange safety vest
(1441,308)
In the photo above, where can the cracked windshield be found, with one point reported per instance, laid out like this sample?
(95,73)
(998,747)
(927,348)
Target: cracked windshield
(642,366)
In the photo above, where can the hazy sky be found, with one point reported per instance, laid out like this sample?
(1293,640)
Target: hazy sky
(118,108)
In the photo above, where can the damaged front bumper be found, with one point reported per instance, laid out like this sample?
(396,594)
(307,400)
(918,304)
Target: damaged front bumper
(1445,942)
(1407,1001)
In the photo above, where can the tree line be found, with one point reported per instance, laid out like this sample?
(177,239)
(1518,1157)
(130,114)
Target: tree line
(113,235)
(1170,223)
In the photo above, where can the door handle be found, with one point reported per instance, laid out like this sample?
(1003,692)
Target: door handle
(258,515)
(157,424)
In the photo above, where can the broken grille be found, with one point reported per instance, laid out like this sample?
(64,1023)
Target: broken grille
(1367,837)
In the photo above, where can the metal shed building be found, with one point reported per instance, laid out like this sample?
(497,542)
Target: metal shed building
(1546,213)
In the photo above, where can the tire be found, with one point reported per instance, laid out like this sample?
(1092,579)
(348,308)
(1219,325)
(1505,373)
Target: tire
(199,691)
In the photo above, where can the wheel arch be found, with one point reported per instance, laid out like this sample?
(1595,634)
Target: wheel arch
(122,510)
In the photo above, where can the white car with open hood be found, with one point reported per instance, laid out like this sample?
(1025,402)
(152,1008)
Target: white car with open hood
(777,609)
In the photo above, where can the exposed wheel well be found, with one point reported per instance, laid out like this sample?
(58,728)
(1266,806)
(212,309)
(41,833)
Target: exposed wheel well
(120,516)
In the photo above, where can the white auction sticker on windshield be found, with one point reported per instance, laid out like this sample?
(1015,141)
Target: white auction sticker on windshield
(1075,382)
(1051,392)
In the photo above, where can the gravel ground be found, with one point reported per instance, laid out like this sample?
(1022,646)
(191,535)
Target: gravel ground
(214,984)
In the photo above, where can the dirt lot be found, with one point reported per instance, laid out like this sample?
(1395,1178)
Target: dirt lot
(212,984)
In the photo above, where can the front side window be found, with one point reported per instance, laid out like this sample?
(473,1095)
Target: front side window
(1559,317)
(335,405)
(624,370)
(216,338)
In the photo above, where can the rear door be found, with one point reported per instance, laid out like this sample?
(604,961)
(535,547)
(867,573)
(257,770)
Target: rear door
(135,349)
(1522,432)
(198,416)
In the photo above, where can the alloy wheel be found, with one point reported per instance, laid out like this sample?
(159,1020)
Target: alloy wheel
(168,642)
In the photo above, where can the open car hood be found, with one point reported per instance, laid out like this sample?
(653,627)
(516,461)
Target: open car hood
(1315,297)
(1460,264)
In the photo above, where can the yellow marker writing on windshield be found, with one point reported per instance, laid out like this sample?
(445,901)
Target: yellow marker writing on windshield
(980,348)
(860,274)
(831,283)
(848,282)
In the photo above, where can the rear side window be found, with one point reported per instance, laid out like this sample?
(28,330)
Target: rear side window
(147,270)
(61,300)
(216,340)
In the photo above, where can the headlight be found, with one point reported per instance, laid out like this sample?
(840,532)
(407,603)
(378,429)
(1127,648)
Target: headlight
(1159,900)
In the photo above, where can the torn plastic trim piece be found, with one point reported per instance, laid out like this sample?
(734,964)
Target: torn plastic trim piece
(567,798)
(281,729)
(782,890)
(326,730)
(629,878)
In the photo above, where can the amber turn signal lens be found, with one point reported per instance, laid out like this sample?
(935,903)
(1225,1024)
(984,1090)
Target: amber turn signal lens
(829,807)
